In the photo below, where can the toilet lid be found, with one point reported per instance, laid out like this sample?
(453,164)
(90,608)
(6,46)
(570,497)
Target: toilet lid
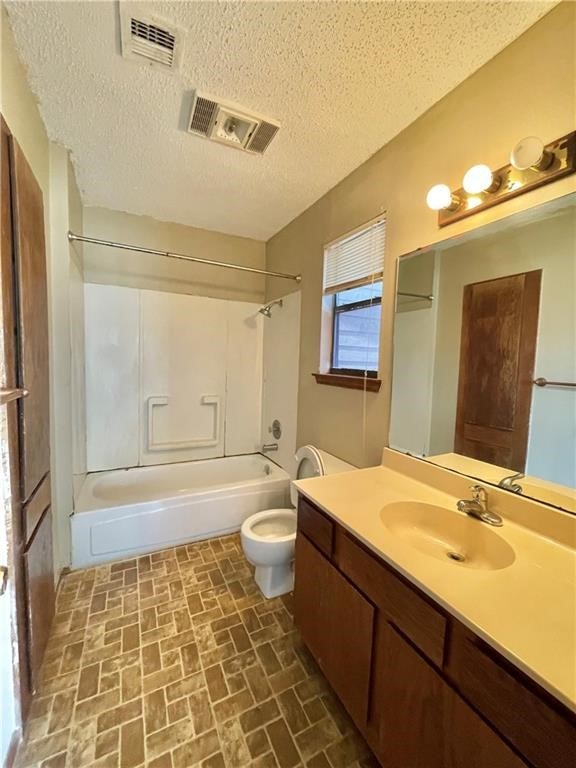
(309,464)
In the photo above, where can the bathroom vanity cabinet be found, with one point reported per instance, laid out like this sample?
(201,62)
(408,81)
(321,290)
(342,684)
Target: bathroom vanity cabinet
(424,690)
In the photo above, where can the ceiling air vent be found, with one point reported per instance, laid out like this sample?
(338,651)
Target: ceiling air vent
(203,115)
(262,136)
(231,124)
(149,40)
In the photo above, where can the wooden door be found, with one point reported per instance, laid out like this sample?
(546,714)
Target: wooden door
(336,623)
(497,350)
(25,365)
(28,218)
(9,380)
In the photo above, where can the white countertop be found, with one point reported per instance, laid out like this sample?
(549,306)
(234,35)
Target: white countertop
(527,611)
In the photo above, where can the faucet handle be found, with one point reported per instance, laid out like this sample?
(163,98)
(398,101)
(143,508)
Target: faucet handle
(479,494)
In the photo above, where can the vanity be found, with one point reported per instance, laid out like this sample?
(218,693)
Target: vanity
(437,592)
(436,630)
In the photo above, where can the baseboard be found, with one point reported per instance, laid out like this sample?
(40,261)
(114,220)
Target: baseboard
(12,749)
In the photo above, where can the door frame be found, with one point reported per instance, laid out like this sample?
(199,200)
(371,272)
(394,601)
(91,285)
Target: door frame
(9,436)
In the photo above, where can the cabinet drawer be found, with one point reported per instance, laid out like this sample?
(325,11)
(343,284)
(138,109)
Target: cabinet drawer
(538,728)
(315,524)
(410,612)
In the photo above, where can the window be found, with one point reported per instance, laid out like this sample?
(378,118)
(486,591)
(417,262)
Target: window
(353,269)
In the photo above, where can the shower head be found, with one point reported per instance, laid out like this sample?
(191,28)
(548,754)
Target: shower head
(267,310)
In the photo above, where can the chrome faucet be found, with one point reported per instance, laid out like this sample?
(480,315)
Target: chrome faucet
(508,483)
(477,506)
(267,447)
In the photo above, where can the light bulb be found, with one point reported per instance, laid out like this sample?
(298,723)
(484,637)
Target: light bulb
(530,153)
(439,197)
(477,179)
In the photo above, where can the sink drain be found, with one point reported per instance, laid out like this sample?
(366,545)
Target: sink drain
(456,556)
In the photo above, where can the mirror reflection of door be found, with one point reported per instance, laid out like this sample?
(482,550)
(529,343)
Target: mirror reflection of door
(497,352)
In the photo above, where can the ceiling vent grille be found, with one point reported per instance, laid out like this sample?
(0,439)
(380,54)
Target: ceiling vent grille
(262,136)
(149,40)
(203,114)
(231,124)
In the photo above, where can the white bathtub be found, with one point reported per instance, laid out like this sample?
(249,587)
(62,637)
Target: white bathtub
(128,512)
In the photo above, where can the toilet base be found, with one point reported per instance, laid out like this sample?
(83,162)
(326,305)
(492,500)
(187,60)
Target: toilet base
(275,580)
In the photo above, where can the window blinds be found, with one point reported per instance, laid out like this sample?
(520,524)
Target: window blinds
(356,259)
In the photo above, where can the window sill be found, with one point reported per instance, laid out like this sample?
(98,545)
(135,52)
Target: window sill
(348,382)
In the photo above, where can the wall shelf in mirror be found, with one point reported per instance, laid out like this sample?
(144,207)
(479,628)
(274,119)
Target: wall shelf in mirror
(465,391)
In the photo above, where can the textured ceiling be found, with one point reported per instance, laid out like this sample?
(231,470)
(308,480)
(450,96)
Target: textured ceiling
(343,78)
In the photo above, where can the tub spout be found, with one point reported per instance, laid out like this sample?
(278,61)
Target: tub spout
(268,447)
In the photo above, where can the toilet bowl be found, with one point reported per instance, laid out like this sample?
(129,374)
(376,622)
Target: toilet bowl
(268,537)
(268,542)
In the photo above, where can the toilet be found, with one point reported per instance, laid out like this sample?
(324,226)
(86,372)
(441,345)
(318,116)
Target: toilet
(268,537)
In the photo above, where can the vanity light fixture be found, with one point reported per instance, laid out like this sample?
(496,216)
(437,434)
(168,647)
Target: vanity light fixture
(532,164)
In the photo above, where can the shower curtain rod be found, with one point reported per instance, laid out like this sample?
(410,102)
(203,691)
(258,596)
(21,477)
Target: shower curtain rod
(169,254)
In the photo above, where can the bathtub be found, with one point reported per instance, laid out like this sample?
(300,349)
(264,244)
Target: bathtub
(127,512)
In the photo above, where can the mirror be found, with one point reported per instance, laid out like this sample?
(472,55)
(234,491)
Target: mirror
(479,319)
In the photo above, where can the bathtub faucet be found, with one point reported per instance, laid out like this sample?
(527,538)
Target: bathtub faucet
(267,447)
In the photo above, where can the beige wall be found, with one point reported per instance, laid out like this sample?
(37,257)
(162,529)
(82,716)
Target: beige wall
(529,88)
(19,108)
(140,270)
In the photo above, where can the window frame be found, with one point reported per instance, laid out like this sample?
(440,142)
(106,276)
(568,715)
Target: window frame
(336,310)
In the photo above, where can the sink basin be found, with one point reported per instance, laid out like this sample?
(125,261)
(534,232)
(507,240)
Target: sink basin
(448,536)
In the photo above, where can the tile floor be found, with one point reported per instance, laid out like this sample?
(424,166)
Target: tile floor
(174,660)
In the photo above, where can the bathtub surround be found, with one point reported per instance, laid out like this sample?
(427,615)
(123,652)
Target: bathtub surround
(175,659)
(170,377)
(450,137)
(280,386)
(127,512)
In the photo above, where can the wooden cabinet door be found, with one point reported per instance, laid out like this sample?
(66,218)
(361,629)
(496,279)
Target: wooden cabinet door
(469,742)
(497,351)
(40,593)
(28,212)
(407,705)
(421,722)
(336,623)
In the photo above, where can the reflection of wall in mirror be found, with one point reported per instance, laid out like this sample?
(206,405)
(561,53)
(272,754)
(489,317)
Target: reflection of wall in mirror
(546,244)
(414,341)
